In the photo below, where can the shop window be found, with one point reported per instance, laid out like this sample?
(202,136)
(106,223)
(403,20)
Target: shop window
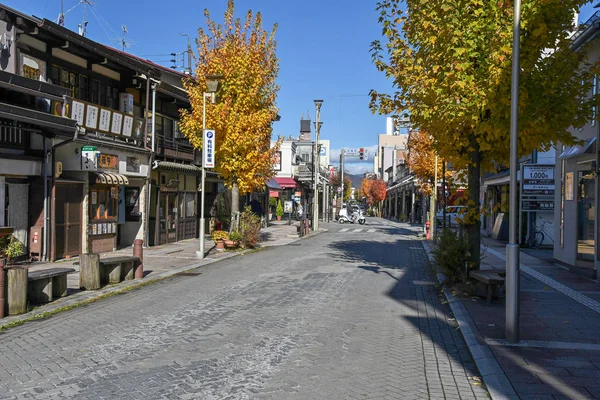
(103,203)
(132,205)
(189,205)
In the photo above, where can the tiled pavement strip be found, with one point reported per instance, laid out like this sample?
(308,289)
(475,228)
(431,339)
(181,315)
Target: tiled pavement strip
(537,367)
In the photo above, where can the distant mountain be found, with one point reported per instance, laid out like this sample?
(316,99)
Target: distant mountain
(356,180)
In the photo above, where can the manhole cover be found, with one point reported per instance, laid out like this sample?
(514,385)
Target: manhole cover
(189,273)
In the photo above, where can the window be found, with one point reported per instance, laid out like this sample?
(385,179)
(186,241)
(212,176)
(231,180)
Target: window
(189,206)
(95,92)
(70,80)
(103,201)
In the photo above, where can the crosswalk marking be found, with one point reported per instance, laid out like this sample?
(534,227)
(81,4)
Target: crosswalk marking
(349,230)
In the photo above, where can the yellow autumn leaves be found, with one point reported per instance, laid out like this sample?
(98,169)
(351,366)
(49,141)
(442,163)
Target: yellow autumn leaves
(244,53)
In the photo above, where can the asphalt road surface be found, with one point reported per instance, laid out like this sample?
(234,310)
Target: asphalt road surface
(341,315)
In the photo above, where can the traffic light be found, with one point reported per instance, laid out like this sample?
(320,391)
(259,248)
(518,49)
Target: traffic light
(361,153)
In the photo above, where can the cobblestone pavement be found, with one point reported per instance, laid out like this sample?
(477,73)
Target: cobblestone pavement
(324,318)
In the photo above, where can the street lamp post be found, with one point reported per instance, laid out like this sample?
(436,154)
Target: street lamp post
(317,167)
(512,248)
(212,85)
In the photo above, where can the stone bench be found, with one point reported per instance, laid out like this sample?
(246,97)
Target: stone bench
(34,287)
(47,285)
(490,278)
(95,272)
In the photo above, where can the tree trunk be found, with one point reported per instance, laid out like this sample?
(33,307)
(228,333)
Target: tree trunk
(235,203)
(474,229)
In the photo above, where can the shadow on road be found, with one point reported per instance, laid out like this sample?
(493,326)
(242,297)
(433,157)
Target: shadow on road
(406,264)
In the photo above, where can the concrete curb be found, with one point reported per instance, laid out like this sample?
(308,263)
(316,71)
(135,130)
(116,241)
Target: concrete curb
(494,378)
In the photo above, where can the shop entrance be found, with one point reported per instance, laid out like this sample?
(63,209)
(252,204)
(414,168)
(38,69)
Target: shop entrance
(68,220)
(586,215)
(168,218)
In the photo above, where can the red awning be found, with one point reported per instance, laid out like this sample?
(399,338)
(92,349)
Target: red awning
(286,183)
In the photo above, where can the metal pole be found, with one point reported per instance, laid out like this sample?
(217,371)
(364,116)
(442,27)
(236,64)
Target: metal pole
(512,249)
(200,254)
(317,172)
(444,194)
(342,171)
(433,208)
(2,263)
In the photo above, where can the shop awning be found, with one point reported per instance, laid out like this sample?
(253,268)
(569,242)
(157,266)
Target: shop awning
(109,178)
(286,183)
(273,185)
(588,147)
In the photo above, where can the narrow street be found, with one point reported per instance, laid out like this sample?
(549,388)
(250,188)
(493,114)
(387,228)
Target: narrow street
(342,315)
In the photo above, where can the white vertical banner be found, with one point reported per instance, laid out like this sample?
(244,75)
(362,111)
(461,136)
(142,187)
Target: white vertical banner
(208,148)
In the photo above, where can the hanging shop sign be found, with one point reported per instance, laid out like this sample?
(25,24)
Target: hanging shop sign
(108,161)
(89,158)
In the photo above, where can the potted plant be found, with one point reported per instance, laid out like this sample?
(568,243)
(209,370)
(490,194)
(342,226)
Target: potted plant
(234,239)
(11,248)
(272,206)
(219,237)
(279,211)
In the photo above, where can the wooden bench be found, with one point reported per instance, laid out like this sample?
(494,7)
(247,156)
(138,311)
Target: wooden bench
(48,284)
(491,278)
(95,272)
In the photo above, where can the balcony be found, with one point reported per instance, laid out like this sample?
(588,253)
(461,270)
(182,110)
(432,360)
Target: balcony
(174,148)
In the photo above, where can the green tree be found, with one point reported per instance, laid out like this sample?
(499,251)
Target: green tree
(450,64)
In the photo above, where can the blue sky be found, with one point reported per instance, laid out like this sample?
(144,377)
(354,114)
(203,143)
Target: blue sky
(323,48)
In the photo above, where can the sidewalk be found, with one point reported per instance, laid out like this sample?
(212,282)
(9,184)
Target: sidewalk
(558,356)
(159,262)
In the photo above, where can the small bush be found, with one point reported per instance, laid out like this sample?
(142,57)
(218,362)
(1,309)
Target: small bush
(451,254)
(236,236)
(250,227)
(272,201)
(279,210)
(11,248)
(219,235)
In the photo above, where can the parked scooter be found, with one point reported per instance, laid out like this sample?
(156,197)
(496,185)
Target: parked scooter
(355,216)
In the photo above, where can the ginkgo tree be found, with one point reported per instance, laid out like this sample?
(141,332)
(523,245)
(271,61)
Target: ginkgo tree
(244,54)
(450,64)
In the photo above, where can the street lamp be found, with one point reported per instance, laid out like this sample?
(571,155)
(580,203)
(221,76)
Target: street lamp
(317,167)
(212,85)
(512,248)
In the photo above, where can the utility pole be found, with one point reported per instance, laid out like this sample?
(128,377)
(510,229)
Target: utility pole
(189,53)
(317,167)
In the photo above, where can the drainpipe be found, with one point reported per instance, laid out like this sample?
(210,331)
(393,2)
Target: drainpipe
(46,155)
(156,222)
(148,196)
